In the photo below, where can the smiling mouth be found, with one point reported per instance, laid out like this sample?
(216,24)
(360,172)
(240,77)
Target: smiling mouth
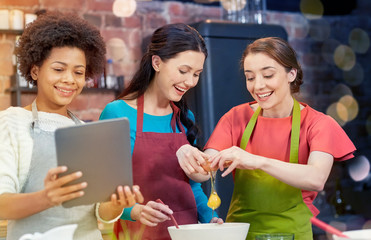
(264,95)
(180,89)
(64,90)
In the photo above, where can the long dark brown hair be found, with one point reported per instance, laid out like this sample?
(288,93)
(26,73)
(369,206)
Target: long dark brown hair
(166,42)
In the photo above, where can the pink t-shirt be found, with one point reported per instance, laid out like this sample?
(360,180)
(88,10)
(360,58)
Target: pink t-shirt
(271,137)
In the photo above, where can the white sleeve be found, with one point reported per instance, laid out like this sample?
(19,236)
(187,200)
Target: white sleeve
(15,151)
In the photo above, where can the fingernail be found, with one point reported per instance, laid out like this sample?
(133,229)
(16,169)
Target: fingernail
(79,174)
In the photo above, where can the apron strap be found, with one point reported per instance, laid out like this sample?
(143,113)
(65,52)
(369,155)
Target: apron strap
(249,128)
(35,116)
(175,119)
(140,109)
(295,131)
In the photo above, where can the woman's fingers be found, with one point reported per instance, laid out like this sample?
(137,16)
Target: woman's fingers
(138,195)
(153,213)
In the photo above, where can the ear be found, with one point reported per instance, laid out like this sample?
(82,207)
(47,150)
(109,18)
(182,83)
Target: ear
(156,62)
(292,74)
(34,72)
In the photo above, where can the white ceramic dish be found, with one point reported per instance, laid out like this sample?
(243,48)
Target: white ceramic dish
(364,234)
(214,231)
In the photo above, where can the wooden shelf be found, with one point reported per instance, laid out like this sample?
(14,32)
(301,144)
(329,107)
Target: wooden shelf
(11,31)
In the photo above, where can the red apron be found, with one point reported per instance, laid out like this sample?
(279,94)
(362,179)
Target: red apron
(156,170)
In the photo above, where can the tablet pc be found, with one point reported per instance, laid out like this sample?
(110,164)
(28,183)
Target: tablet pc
(101,151)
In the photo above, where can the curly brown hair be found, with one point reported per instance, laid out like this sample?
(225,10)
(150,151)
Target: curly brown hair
(56,29)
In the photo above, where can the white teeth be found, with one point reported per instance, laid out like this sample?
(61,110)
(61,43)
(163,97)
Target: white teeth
(65,91)
(180,89)
(265,95)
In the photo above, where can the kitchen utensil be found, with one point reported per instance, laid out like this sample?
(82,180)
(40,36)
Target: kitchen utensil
(328,228)
(171,216)
(214,231)
(275,236)
(364,234)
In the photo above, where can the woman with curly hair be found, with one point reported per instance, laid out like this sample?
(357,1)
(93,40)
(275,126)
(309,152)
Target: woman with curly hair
(57,53)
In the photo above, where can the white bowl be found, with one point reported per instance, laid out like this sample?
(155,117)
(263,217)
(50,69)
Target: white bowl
(214,231)
(364,234)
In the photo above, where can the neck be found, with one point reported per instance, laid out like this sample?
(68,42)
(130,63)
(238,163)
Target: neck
(155,103)
(42,107)
(282,112)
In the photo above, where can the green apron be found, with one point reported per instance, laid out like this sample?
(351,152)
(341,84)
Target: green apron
(269,205)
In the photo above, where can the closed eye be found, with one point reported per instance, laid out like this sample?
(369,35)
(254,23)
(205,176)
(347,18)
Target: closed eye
(270,76)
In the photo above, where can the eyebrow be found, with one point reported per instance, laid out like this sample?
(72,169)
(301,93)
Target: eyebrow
(189,67)
(65,64)
(264,68)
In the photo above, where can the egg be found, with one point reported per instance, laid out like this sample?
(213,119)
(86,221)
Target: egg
(214,201)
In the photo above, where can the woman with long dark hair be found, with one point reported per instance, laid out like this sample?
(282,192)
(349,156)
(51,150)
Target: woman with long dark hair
(160,123)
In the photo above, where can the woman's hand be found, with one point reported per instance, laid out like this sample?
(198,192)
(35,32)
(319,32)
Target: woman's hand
(55,192)
(232,158)
(151,214)
(217,220)
(193,162)
(125,197)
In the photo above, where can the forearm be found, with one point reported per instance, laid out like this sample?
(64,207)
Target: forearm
(20,205)
(311,176)
(198,177)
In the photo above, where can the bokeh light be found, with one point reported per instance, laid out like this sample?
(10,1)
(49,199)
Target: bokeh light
(359,40)
(359,168)
(334,110)
(339,91)
(367,225)
(354,76)
(328,49)
(320,29)
(352,108)
(116,49)
(233,5)
(368,125)
(344,57)
(311,9)
(124,8)
(338,225)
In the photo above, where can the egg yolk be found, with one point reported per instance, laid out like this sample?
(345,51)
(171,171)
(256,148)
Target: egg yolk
(214,201)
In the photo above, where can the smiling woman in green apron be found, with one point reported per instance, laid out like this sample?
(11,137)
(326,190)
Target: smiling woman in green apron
(280,151)
(57,53)
(160,122)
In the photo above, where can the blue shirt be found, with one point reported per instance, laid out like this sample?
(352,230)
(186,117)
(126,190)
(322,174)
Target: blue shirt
(160,124)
